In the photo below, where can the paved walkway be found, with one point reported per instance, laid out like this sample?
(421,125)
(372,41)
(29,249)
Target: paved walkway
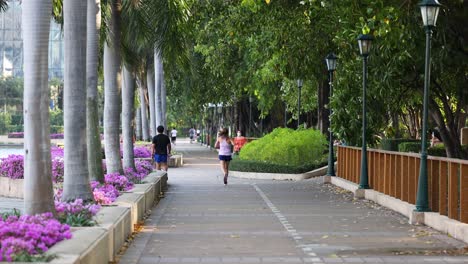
(251,221)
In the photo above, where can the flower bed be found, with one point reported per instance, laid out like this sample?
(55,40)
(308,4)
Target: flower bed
(27,238)
(21,135)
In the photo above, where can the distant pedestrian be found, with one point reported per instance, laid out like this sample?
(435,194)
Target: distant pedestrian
(173,135)
(191,134)
(161,149)
(224,144)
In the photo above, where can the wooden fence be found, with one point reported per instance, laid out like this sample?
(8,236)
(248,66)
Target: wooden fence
(396,174)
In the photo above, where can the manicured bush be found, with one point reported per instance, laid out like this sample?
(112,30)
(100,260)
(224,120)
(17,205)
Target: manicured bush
(5,120)
(26,238)
(56,129)
(262,166)
(410,147)
(15,128)
(437,150)
(286,146)
(391,144)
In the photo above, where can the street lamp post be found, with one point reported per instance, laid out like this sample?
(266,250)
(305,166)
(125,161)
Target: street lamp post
(299,85)
(365,43)
(331,65)
(429,12)
(250,115)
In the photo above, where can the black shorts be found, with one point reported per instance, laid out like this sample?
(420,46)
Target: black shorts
(173,138)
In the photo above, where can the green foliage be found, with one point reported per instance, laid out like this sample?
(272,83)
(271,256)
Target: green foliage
(26,257)
(80,219)
(392,144)
(5,121)
(56,117)
(286,147)
(267,167)
(7,214)
(410,147)
(15,128)
(437,150)
(56,129)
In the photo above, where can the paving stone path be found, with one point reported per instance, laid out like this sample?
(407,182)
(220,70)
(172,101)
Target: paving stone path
(252,221)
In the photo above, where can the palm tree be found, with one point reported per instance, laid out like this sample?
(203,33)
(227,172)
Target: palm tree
(76,183)
(92,116)
(38,192)
(128,98)
(3,5)
(112,88)
(151,95)
(159,80)
(143,108)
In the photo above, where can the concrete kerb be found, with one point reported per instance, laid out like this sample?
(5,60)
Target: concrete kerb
(279,176)
(439,222)
(117,220)
(11,187)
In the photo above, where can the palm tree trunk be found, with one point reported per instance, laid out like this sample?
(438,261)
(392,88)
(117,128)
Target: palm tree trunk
(128,98)
(76,183)
(158,82)
(151,91)
(38,192)
(112,87)
(92,111)
(143,107)
(163,99)
(138,123)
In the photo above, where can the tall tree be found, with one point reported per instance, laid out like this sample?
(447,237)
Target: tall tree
(76,174)
(143,107)
(128,99)
(151,95)
(159,80)
(92,111)
(112,89)
(38,192)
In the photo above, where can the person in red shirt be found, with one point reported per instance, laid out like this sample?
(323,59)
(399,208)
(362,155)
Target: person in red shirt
(239,142)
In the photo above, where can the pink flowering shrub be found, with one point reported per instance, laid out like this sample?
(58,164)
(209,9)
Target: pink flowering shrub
(25,236)
(141,152)
(143,168)
(56,136)
(16,135)
(56,152)
(12,167)
(76,213)
(120,182)
(104,193)
(58,170)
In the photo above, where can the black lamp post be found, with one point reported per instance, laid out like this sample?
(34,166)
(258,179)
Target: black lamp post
(365,43)
(250,115)
(429,12)
(299,85)
(331,65)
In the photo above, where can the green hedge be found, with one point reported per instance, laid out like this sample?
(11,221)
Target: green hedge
(438,150)
(261,166)
(391,144)
(410,147)
(286,146)
(56,129)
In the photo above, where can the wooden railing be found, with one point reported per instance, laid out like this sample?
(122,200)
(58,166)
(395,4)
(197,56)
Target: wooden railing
(396,174)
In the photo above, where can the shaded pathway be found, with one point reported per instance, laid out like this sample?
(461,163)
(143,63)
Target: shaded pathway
(252,221)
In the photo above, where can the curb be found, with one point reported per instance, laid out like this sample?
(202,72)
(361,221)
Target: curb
(280,176)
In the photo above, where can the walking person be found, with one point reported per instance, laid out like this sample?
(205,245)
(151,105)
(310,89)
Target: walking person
(191,134)
(173,136)
(161,149)
(224,144)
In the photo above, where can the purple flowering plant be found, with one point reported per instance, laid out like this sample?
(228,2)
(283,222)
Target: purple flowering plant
(76,213)
(142,169)
(12,167)
(141,152)
(27,238)
(120,182)
(104,193)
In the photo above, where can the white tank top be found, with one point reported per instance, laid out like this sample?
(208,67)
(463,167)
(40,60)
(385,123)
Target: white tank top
(224,148)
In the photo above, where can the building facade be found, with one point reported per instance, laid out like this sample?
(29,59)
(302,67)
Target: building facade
(11,44)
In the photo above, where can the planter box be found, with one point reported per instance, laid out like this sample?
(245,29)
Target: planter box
(117,220)
(175,161)
(11,187)
(148,191)
(136,203)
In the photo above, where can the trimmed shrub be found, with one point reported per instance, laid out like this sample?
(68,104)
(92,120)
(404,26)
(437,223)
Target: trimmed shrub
(437,150)
(410,147)
(5,121)
(286,146)
(391,144)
